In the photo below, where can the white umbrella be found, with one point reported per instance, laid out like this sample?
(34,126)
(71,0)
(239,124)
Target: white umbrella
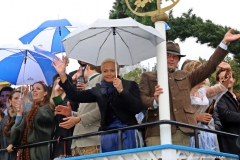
(125,40)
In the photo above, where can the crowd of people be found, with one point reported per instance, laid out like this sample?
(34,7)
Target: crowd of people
(97,98)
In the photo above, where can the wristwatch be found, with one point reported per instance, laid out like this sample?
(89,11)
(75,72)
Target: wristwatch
(225,42)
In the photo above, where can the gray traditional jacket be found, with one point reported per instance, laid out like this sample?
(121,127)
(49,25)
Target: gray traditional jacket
(90,120)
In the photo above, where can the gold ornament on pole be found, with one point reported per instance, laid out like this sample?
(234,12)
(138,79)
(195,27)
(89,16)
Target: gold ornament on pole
(157,15)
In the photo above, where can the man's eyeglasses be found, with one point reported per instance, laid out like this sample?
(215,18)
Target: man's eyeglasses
(172,56)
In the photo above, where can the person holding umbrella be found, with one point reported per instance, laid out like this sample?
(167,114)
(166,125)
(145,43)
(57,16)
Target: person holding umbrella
(118,100)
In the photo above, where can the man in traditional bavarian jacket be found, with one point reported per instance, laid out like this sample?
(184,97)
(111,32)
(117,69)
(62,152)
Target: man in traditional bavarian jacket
(180,84)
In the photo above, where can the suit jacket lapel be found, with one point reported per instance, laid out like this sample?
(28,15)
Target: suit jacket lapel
(233,101)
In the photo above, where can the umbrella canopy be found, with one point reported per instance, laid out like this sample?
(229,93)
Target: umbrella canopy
(50,34)
(21,64)
(125,40)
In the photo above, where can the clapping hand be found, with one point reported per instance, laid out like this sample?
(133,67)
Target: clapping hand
(19,107)
(69,122)
(64,110)
(67,111)
(25,90)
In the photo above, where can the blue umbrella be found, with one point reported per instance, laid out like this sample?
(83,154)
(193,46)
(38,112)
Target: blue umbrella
(21,64)
(50,34)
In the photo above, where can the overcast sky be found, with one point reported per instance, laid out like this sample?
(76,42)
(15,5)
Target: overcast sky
(20,16)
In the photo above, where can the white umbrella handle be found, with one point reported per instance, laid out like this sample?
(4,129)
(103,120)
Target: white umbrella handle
(115,52)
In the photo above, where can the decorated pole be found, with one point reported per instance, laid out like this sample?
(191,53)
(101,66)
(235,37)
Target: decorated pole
(159,17)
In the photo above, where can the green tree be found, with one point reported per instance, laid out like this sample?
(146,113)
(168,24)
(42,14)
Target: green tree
(189,25)
(185,26)
(133,75)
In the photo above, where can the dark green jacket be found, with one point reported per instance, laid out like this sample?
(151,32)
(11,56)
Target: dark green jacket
(43,127)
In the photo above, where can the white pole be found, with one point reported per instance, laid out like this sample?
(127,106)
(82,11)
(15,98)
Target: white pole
(164,107)
(115,52)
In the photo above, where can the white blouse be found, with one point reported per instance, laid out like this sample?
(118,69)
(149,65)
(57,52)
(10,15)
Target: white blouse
(200,97)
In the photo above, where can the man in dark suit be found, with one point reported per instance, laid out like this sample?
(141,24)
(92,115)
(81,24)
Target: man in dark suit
(180,84)
(229,116)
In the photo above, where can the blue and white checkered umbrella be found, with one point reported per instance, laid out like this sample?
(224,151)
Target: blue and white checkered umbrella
(50,34)
(21,64)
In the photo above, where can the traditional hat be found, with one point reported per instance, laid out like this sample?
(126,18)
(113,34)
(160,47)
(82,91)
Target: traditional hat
(173,48)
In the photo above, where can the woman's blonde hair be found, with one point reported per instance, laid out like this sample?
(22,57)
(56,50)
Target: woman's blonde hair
(63,95)
(109,60)
(192,65)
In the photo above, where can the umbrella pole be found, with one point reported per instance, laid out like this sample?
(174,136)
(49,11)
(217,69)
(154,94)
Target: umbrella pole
(25,60)
(60,34)
(114,40)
